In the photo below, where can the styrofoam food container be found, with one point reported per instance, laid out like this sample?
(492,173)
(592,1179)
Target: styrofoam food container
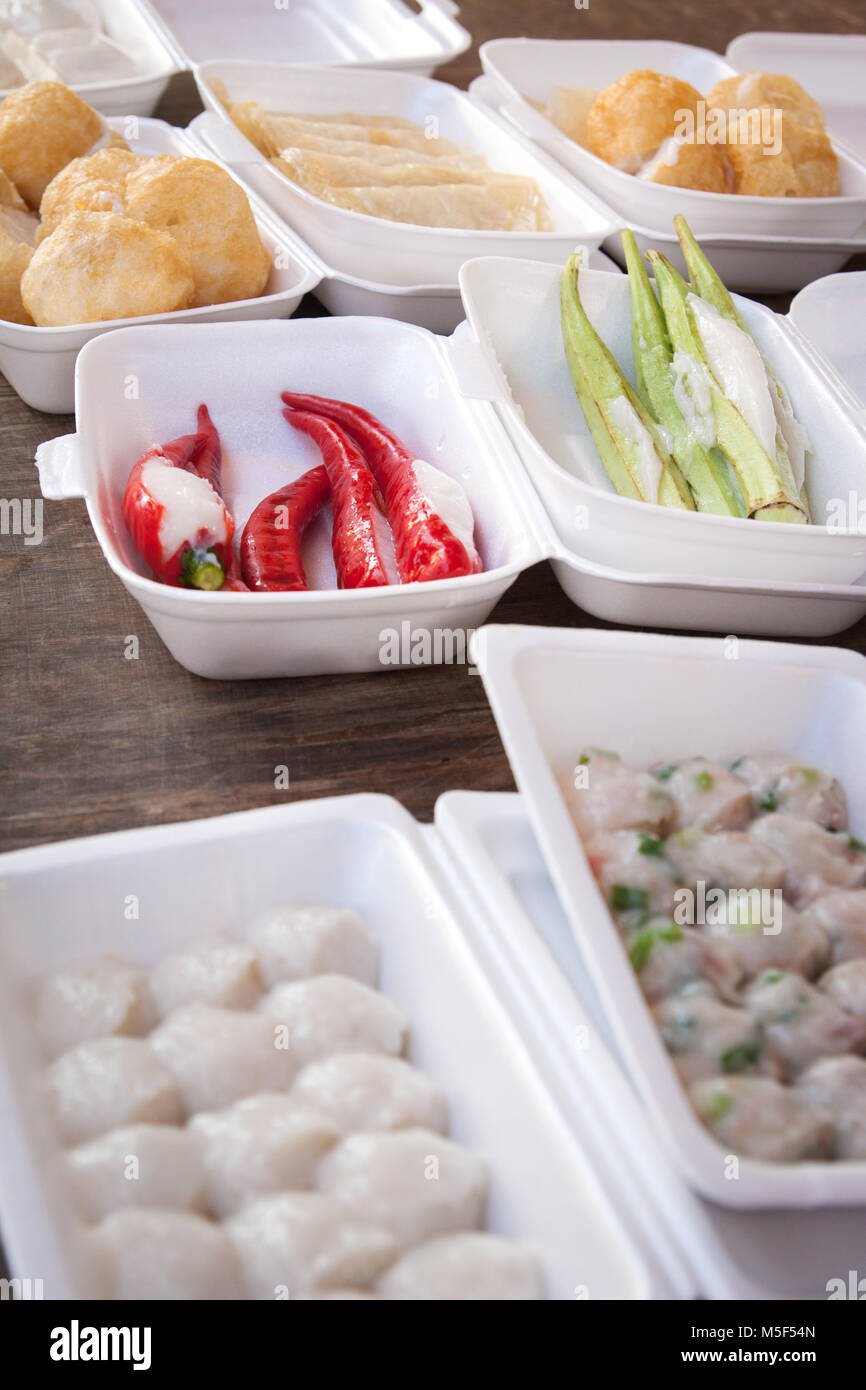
(363,852)
(734,1254)
(531,68)
(39,363)
(513,309)
(831,313)
(415,37)
(381,364)
(750,264)
(129,23)
(401,373)
(169,36)
(434,306)
(829,66)
(373,247)
(650,698)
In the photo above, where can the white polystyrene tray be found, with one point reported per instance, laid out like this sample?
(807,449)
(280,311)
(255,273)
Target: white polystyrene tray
(653,698)
(513,309)
(766,264)
(531,68)
(829,66)
(831,313)
(755,1254)
(39,363)
(131,27)
(373,33)
(437,307)
(373,247)
(168,36)
(364,852)
(400,373)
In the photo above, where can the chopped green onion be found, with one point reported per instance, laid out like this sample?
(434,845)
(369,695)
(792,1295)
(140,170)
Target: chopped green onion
(770,800)
(663,774)
(624,899)
(720,1105)
(704,780)
(650,845)
(742,1056)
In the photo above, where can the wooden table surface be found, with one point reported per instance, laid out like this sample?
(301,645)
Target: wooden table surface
(95,742)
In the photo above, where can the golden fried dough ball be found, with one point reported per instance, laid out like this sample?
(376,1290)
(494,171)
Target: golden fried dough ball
(42,127)
(771,89)
(209,216)
(9,195)
(630,120)
(93,183)
(804,167)
(684,165)
(16,250)
(99,265)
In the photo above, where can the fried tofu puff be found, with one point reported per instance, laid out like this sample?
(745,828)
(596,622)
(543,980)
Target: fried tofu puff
(633,123)
(208,215)
(805,166)
(42,127)
(99,265)
(17,239)
(91,183)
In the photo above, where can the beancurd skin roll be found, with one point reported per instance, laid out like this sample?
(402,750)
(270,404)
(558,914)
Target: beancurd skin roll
(381,154)
(504,204)
(106,1083)
(464,1266)
(304,1241)
(319,172)
(333,1013)
(359,1090)
(708,797)
(219,1055)
(838,1086)
(414,1182)
(298,940)
(138,1166)
(215,971)
(261,1144)
(92,1000)
(175,1256)
(759,1118)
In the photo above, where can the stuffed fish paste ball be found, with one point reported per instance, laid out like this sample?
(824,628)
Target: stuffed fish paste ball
(838,1086)
(777,783)
(604,794)
(109,1082)
(359,1090)
(215,971)
(219,1055)
(846,986)
(800,1023)
(86,1001)
(138,1166)
(300,1241)
(843,916)
(707,796)
(467,1265)
(815,859)
(152,1254)
(261,1144)
(333,1013)
(304,939)
(411,1181)
(758,1117)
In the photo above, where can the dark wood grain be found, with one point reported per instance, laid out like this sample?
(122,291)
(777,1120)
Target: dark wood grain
(94,742)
